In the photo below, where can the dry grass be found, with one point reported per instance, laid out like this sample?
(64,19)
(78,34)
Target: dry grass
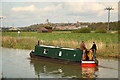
(104,49)
(21,42)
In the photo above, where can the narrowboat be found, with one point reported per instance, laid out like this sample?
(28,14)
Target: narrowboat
(75,55)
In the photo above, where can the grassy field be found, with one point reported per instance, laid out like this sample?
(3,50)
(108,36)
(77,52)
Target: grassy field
(107,43)
(103,37)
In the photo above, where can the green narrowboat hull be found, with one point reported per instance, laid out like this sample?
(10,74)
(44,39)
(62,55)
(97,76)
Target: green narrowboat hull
(58,53)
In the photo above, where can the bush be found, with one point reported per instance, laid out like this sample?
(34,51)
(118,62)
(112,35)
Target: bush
(118,31)
(82,30)
(101,30)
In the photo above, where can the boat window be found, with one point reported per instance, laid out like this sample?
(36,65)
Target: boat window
(66,54)
(45,51)
(74,55)
(60,53)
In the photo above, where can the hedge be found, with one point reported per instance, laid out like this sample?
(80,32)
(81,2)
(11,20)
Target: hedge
(82,30)
(101,30)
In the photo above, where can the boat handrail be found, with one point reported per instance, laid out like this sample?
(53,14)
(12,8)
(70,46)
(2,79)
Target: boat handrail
(68,48)
(50,46)
(57,47)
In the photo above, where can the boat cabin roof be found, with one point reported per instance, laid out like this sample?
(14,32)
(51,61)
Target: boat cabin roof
(57,47)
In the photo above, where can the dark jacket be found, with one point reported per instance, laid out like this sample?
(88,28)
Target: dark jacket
(94,47)
(82,46)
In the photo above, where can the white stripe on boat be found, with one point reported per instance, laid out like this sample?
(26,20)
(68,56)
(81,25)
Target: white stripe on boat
(88,61)
(57,47)
(50,46)
(68,48)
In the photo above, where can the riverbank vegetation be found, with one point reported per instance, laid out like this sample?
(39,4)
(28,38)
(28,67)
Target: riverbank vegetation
(101,30)
(107,43)
(82,30)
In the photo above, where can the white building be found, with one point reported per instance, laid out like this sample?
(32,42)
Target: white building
(47,21)
(82,26)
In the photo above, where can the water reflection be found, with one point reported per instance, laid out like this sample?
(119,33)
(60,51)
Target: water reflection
(47,67)
(89,72)
(17,64)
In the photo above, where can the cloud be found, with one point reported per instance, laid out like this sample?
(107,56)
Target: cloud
(52,8)
(27,8)
(85,7)
(59,0)
(91,7)
(57,12)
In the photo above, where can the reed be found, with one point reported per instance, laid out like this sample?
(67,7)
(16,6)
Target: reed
(29,43)
(21,43)
(103,49)
(107,43)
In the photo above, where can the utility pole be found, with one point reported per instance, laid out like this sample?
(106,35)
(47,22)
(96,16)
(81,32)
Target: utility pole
(13,26)
(1,17)
(68,22)
(108,8)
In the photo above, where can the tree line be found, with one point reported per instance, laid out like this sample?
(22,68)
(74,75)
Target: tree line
(100,25)
(93,26)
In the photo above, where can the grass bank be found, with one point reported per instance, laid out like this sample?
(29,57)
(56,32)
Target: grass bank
(107,43)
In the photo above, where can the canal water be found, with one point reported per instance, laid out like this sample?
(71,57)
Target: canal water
(16,63)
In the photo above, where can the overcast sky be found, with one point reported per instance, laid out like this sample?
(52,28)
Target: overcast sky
(20,14)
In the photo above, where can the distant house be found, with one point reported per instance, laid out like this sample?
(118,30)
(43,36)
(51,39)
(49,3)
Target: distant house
(65,27)
(69,26)
(5,28)
(49,28)
(82,26)
(12,29)
(44,29)
(60,27)
(72,27)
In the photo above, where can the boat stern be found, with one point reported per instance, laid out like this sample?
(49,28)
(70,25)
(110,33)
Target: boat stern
(90,63)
